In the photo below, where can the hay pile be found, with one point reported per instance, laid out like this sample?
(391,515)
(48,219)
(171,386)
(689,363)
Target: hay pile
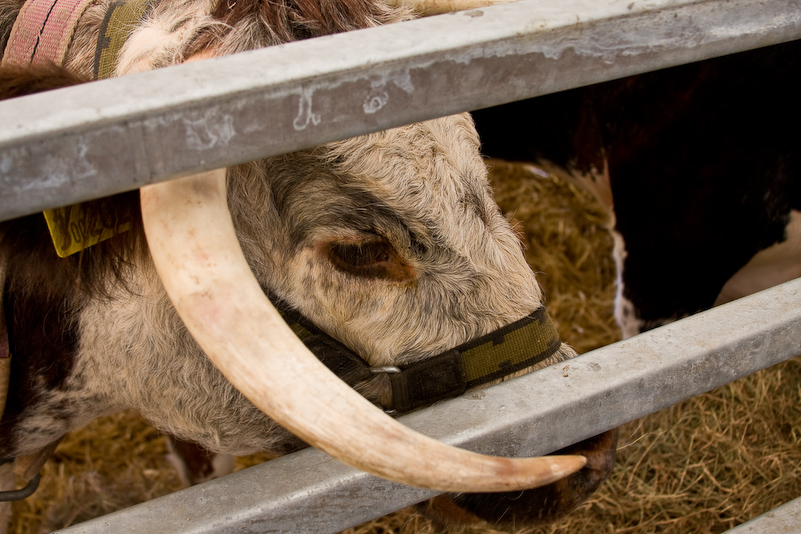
(702,466)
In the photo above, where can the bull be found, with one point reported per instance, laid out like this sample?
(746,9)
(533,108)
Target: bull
(698,165)
(389,243)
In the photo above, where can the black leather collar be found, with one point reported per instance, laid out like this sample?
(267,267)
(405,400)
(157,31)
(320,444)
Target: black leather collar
(512,348)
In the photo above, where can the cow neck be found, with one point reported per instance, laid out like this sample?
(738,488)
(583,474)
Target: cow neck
(41,34)
(496,355)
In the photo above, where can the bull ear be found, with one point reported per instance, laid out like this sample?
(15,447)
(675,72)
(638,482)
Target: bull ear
(199,260)
(435,7)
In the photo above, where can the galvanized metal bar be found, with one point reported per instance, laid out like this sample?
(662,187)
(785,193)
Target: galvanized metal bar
(532,415)
(116,135)
(785,519)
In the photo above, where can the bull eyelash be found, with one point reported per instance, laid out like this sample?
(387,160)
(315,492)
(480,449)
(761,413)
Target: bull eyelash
(360,255)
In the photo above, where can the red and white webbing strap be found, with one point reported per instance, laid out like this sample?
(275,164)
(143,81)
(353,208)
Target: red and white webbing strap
(43,31)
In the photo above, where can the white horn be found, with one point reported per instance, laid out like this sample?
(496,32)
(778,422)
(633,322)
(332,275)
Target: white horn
(435,7)
(200,262)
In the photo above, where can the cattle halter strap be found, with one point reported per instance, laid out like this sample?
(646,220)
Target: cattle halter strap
(43,31)
(498,354)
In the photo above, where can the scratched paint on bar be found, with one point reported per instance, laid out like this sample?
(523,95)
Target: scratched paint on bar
(302,94)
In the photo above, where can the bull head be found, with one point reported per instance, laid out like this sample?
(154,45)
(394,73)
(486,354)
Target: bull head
(196,252)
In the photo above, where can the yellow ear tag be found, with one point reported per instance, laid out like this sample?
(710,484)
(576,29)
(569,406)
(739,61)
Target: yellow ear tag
(74,228)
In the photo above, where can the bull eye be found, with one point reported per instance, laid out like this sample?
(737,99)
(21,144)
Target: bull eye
(375,258)
(360,255)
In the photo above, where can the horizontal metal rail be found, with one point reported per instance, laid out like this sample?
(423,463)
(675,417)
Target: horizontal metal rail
(785,519)
(116,135)
(310,492)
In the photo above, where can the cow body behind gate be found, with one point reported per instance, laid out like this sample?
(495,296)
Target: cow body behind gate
(699,165)
(389,242)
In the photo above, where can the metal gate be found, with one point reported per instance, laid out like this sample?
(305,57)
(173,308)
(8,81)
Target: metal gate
(120,134)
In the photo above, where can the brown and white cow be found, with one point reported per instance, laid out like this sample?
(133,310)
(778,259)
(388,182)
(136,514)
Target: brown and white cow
(389,242)
(700,165)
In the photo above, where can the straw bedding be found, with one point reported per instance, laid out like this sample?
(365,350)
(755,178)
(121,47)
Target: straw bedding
(702,466)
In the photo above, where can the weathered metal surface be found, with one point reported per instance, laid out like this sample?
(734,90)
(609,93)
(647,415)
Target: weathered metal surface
(117,135)
(531,415)
(786,519)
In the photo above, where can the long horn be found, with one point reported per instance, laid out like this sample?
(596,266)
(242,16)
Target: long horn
(435,7)
(201,264)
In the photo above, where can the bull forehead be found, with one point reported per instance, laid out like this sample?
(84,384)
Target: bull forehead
(429,174)
(423,189)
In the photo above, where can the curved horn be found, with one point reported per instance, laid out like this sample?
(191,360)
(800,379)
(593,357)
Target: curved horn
(200,262)
(435,7)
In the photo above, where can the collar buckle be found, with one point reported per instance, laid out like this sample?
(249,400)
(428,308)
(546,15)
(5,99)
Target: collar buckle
(386,369)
